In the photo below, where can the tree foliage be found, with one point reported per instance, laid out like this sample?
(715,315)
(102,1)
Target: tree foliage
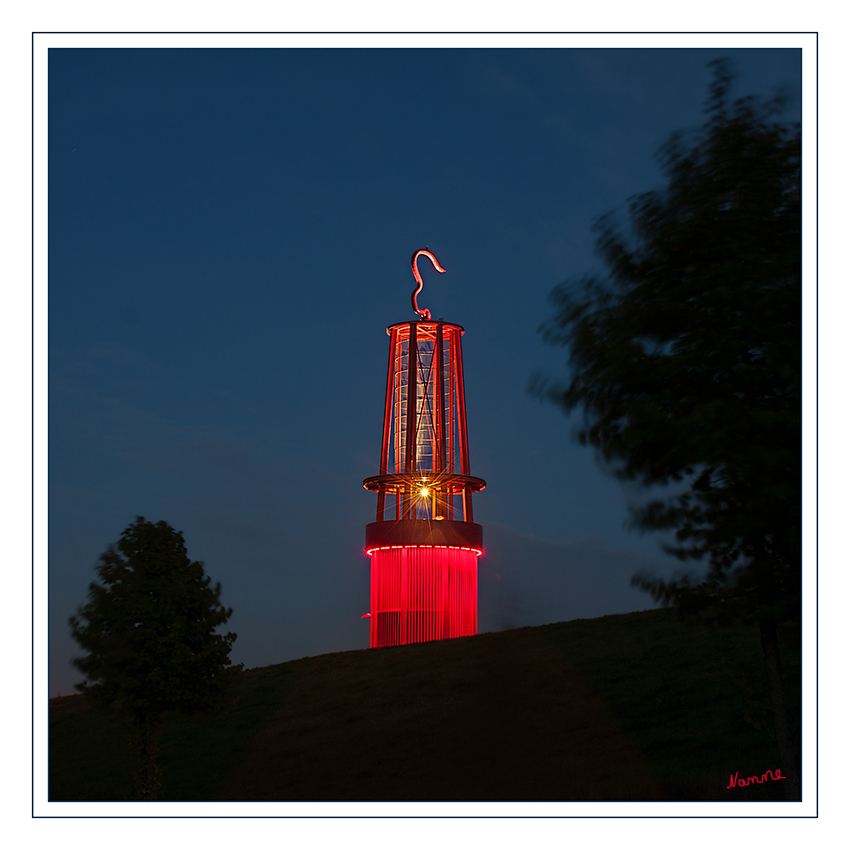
(149,629)
(686,364)
(685,358)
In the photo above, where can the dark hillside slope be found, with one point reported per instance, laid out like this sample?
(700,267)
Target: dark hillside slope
(628,707)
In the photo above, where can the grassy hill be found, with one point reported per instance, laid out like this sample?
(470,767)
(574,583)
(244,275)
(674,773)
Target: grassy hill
(628,707)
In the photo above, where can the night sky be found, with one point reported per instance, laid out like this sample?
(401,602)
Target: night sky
(230,233)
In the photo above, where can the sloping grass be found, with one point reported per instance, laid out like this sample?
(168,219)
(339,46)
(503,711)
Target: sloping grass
(629,707)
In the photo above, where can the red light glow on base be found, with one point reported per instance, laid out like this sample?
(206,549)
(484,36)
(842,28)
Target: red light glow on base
(422,593)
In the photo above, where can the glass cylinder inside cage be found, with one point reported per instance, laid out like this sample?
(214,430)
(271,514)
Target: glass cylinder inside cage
(426,422)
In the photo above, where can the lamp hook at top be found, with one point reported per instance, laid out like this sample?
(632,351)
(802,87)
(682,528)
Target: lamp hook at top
(424,313)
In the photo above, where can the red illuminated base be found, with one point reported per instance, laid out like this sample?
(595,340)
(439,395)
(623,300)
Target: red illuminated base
(423,593)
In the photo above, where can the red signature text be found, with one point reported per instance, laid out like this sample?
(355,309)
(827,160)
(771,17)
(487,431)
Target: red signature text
(751,780)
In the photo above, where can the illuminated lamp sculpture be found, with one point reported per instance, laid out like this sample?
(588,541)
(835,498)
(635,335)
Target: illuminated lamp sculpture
(423,546)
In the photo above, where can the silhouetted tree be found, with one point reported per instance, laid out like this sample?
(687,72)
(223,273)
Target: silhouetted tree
(149,629)
(686,363)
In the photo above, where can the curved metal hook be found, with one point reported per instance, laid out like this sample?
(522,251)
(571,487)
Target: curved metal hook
(423,313)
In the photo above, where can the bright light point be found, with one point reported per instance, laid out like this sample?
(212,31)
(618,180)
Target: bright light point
(423,492)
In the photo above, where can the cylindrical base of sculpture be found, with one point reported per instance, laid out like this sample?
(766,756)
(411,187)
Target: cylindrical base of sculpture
(422,593)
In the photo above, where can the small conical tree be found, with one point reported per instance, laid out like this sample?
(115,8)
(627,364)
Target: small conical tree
(149,629)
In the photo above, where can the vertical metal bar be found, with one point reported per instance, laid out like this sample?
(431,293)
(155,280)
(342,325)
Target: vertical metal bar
(440,407)
(403,608)
(398,460)
(464,445)
(373,608)
(410,435)
(474,579)
(400,419)
(388,404)
(432,417)
(441,417)
(447,623)
(451,422)
(461,410)
(385,438)
(450,459)
(440,403)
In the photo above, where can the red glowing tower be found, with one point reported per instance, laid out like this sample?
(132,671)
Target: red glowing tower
(424,546)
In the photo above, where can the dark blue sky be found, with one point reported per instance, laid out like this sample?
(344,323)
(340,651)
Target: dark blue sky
(229,236)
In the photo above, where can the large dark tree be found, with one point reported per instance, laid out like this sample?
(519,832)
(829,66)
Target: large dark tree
(685,360)
(149,629)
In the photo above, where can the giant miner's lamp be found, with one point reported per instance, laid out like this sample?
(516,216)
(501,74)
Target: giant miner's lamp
(424,546)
